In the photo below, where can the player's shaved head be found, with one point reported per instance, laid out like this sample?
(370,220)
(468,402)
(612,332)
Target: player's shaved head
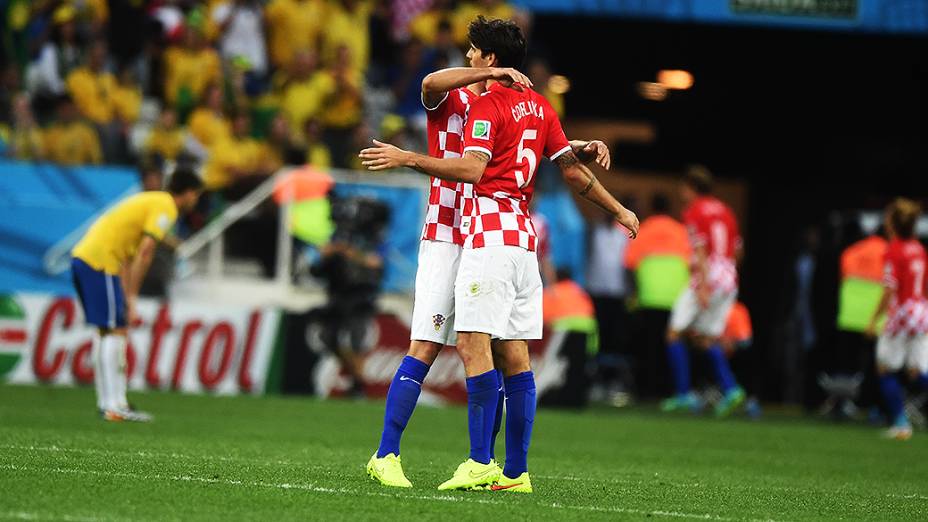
(699,178)
(903,214)
(502,38)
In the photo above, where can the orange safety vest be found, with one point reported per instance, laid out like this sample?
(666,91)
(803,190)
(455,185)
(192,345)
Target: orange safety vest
(864,259)
(738,328)
(566,299)
(658,235)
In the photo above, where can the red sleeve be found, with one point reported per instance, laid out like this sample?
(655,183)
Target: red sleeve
(482,126)
(556,141)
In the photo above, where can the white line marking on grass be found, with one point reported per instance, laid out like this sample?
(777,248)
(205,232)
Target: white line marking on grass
(353,492)
(26,515)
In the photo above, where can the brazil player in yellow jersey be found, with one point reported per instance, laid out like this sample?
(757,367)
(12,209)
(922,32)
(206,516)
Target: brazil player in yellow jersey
(108,266)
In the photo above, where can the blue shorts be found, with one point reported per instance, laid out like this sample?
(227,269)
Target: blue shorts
(100,295)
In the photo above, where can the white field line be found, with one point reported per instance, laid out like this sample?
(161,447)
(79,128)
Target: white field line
(352,492)
(29,515)
(246,460)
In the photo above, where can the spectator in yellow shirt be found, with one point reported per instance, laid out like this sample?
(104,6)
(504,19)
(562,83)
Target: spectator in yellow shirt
(25,136)
(208,124)
(294,25)
(306,92)
(424,27)
(235,163)
(348,25)
(468,11)
(92,88)
(70,141)
(166,139)
(189,69)
(342,107)
(127,97)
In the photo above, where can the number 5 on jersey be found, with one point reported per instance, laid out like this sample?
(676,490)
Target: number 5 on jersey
(525,153)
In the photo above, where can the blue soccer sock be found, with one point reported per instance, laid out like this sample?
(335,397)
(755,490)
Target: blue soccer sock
(722,370)
(520,416)
(499,414)
(482,398)
(401,401)
(679,360)
(892,394)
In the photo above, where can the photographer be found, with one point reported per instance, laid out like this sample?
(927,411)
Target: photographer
(352,267)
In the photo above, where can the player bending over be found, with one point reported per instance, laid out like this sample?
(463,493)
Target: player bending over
(108,266)
(498,290)
(703,308)
(904,340)
(446,96)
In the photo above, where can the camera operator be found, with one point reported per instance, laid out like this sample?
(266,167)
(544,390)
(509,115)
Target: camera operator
(353,268)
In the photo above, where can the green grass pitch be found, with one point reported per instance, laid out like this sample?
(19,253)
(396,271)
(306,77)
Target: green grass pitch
(272,458)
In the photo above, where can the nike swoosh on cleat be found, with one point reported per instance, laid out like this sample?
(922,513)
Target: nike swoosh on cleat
(497,487)
(479,475)
(404,378)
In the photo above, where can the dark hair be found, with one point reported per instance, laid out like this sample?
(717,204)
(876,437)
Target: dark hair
(903,214)
(660,203)
(563,274)
(184,179)
(699,179)
(501,37)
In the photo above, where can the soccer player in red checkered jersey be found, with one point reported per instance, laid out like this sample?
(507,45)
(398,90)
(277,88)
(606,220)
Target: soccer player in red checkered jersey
(498,287)
(703,308)
(446,97)
(904,340)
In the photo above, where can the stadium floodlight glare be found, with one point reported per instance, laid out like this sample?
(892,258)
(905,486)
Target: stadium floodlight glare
(558,84)
(677,79)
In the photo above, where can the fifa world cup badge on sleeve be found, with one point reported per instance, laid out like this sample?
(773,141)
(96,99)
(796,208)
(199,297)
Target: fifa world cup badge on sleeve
(481,129)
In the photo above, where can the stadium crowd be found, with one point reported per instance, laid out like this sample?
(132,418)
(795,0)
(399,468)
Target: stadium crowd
(239,87)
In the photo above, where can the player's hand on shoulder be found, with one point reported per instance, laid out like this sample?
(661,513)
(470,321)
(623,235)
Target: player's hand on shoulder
(511,78)
(383,156)
(597,151)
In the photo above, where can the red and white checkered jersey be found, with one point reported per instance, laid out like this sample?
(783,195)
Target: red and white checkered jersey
(445,136)
(515,129)
(904,273)
(712,225)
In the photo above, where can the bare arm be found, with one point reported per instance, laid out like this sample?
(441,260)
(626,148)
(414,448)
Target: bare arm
(468,169)
(135,270)
(582,180)
(437,84)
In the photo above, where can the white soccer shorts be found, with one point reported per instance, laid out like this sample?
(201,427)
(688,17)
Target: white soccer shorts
(433,310)
(710,321)
(898,351)
(498,292)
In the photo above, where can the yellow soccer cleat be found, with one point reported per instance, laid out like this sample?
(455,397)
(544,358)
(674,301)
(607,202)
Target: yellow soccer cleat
(388,470)
(520,484)
(472,475)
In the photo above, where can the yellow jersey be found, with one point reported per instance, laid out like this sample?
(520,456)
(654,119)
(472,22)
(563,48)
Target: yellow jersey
(114,237)
(294,25)
(190,69)
(93,93)
(72,143)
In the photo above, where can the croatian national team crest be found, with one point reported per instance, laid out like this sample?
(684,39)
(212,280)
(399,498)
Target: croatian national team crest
(438,320)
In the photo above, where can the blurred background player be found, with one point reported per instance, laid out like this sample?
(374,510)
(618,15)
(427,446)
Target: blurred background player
(507,131)
(108,266)
(703,308)
(904,341)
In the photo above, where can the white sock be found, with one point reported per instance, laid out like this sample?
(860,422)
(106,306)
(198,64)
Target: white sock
(112,349)
(98,375)
(122,380)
